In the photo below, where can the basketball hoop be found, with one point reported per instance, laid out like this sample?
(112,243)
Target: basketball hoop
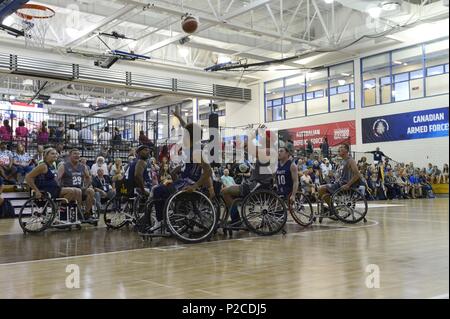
(35,23)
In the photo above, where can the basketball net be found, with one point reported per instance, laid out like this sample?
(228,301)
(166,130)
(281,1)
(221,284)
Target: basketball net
(35,32)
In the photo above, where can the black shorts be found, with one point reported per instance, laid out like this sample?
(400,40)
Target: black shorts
(55,192)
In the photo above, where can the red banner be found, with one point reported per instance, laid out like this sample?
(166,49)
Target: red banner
(336,133)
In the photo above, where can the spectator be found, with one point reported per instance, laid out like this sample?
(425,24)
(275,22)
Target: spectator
(105,137)
(22,132)
(38,158)
(116,171)
(309,148)
(103,188)
(72,135)
(377,156)
(1,192)
(42,135)
(6,132)
(99,164)
(7,171)
(144,140)
(165,176)
(325,148)
(326,167)
(393,189)
(429,169)
(117,138)
(62,154)
(59,133)
(427,189)
(416,187)
(435,175)
(226,179)
(307,182)
(83,161)
(23,163)
(444,176)
(86,137)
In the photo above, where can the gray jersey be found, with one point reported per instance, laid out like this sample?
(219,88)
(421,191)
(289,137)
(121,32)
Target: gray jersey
(344,172)
(73,175)
(261,174)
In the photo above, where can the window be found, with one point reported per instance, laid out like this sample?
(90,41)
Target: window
(436,57)
(446,68)
(318,94)
(416,74)
(301,95)
(435,70)
(402,77)
(277,102)
(376,74)
(343,89)
(297,98)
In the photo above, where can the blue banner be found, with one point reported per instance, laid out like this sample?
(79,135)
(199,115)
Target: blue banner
(406,126)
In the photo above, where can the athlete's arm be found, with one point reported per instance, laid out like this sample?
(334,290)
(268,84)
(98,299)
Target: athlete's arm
(31,176)
(141,166)
(178,116)
(61,171)
(87,178)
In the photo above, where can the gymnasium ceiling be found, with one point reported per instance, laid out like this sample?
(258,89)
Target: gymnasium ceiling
(247,30)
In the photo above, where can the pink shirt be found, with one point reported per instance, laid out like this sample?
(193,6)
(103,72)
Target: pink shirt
(21,131)
(5,134)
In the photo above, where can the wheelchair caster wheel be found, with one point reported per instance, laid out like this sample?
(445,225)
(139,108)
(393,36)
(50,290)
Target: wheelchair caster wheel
(314,219)
(95,224)
(230,233)
(320,220)
(283,232)
(365,221)
(78,227)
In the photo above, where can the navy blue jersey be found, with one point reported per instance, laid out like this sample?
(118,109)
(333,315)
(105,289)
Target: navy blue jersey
(192,172)
(284,178)
(47,182)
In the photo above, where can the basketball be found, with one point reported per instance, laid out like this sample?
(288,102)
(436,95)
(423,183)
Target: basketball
(190,25)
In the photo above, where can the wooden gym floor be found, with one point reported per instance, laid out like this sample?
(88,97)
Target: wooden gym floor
(407,240)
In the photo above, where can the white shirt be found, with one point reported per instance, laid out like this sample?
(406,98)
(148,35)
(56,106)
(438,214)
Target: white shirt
(104,138)
(86,135)
(96,167)
(72,136)
(326,168)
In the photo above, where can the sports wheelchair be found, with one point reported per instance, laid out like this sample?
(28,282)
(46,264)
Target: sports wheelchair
(348,206)
(37,215)
(190,217)
(262,212)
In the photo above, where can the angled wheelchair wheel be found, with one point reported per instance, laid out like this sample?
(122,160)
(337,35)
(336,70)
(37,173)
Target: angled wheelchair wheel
(191,217)
(118,212)
(349,206)
(264,213)
(36,215)
(302,210)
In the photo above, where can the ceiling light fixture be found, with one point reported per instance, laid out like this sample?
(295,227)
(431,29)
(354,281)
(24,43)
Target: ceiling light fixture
(329,1)
(342,82)
(390,5)
(9,21)
(184,52)
(375,12)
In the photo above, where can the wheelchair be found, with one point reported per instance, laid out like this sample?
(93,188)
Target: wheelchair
(347,206)
(37,215)
(263,212)
(189,217)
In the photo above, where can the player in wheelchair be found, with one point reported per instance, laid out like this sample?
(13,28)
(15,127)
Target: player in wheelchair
(178,206)
(45,190)
(262,210)
(343,197)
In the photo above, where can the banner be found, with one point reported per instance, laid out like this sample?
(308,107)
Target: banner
(406,126)
(336,133)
